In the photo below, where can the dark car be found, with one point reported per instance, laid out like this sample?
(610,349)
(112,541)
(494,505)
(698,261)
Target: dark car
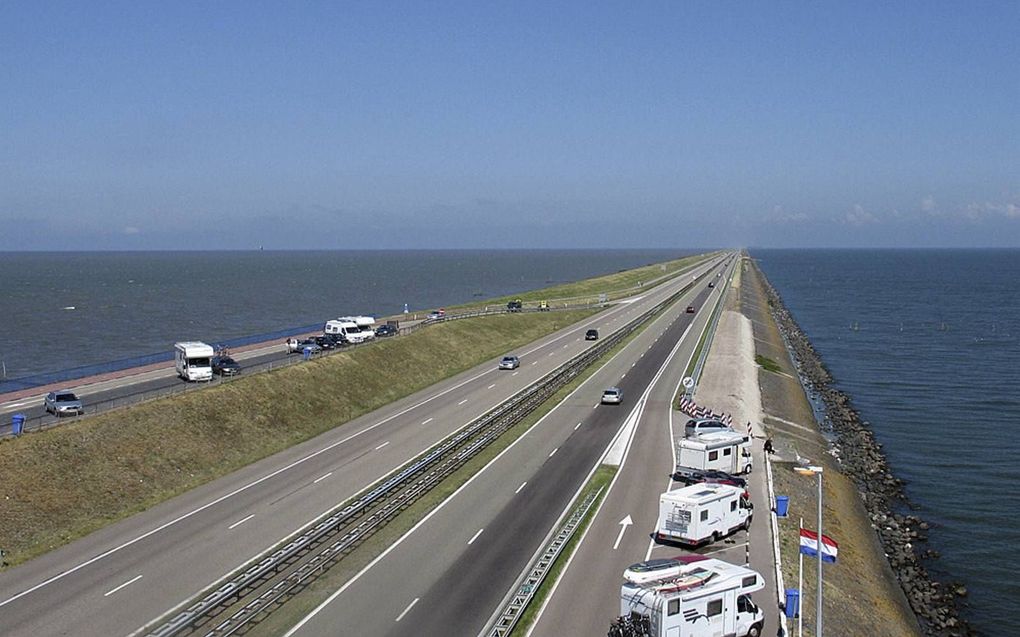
(225,366)
(308,343)
(63,402)
(690,309)
(698,476)
(386,330)
(711,284)
(515,306)
(591,335)
(325,342)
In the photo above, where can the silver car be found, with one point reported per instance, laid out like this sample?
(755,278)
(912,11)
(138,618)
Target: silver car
(62,402)
(612,396)
(509,362)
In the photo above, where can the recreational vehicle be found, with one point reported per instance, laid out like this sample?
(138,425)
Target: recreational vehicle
(695,598)
(727,451)
(702,513)
(193,360)
(356,329)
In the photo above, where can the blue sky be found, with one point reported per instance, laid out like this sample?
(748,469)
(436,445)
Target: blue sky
(147,125)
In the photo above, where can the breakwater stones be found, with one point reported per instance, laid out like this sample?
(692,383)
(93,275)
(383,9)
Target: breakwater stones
(936,604)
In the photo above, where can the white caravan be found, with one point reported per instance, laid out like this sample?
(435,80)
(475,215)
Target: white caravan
(695,597)
(193,360)
(727,451)
(702,513)
(356,329)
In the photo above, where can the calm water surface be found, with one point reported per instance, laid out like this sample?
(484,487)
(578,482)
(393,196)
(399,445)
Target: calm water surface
(933,367)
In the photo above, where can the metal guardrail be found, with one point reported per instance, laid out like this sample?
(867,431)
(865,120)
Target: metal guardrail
(535,574)
(270,581)
(713,322)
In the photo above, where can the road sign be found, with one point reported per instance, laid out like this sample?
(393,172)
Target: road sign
(687,382)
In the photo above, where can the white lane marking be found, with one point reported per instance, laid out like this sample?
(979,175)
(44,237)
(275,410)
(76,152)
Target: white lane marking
(127,583)
(240,522)
(633,364)
(475,537)
(520,487)
(566,346)
(577,426)
(535,363)
(409,607)
(427,421)
(515,373)
(552,353)
(725,548)
(462,402)
(624,375)
(491,386)
(382,445)
(553,452)
(321,478)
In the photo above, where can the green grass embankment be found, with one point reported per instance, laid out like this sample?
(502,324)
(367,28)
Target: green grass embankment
(66,482)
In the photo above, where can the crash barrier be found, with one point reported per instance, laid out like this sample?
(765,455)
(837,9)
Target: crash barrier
(693,410)
(251,593)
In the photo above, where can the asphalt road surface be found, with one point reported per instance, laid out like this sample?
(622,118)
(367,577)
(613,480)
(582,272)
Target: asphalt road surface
(449,574)
(143,568)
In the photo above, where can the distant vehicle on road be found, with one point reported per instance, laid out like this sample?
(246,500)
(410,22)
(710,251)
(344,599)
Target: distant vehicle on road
(308,343)
(509,362)
(435,315)
(326,343)
(690,309)
(711,284)
(225,366)
(591,335)
(515,306)
(543,306)
(386,330)
(63,402)
(612,396)
(193,360)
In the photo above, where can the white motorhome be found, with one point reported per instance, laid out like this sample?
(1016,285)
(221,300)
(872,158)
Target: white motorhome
(702,513)
(698,597)
(727,451)
(356,329)
(193,360)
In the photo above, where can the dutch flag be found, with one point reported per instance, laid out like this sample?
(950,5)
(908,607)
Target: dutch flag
(809,545)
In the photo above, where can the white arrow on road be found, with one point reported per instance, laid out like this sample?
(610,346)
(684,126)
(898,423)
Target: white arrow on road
(624,523)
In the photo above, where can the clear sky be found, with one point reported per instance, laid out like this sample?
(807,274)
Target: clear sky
(175,125)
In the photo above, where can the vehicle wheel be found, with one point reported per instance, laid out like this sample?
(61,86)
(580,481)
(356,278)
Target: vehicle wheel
(747,470)
(715,536)
(755,630)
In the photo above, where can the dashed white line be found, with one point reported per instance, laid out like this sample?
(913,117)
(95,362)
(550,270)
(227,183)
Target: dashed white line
(409,607)
(535,363)
(566,346)
(624,376)
(553,452)
(321,478)
(475,536)
(515,373)
(427,421)
(382,445)
(552,353)
(520,487)
(491,386)
(463,401)
(127,583)
(577,426)
(240,522)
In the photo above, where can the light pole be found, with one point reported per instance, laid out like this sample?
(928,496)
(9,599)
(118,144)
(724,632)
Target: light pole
(818,544)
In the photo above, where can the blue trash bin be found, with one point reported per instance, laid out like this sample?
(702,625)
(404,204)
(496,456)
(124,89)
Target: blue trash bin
(307,353)
(792,603)
(782,505)
(17,424)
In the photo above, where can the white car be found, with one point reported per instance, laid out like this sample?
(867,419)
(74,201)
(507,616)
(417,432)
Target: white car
(612,396)
(509,362)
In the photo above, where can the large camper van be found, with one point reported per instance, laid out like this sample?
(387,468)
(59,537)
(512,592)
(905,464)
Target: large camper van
(695,597)
(193,360)
(727,451)
(702,513)
(356,329)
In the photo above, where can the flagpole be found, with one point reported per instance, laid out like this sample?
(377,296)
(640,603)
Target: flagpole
(800,585)
(818,546)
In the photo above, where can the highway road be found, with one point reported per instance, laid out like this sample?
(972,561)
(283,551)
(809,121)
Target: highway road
(142,568)
(449,574)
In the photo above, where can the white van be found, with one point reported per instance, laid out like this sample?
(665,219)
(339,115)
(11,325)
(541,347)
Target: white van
(702,513)
(700,597)
(727,451)
(193,360)
(356,329)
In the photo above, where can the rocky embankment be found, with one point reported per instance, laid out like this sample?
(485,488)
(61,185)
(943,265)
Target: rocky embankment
(936,604)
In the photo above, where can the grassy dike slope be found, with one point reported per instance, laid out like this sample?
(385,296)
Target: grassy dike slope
(861,594)
(63,483)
